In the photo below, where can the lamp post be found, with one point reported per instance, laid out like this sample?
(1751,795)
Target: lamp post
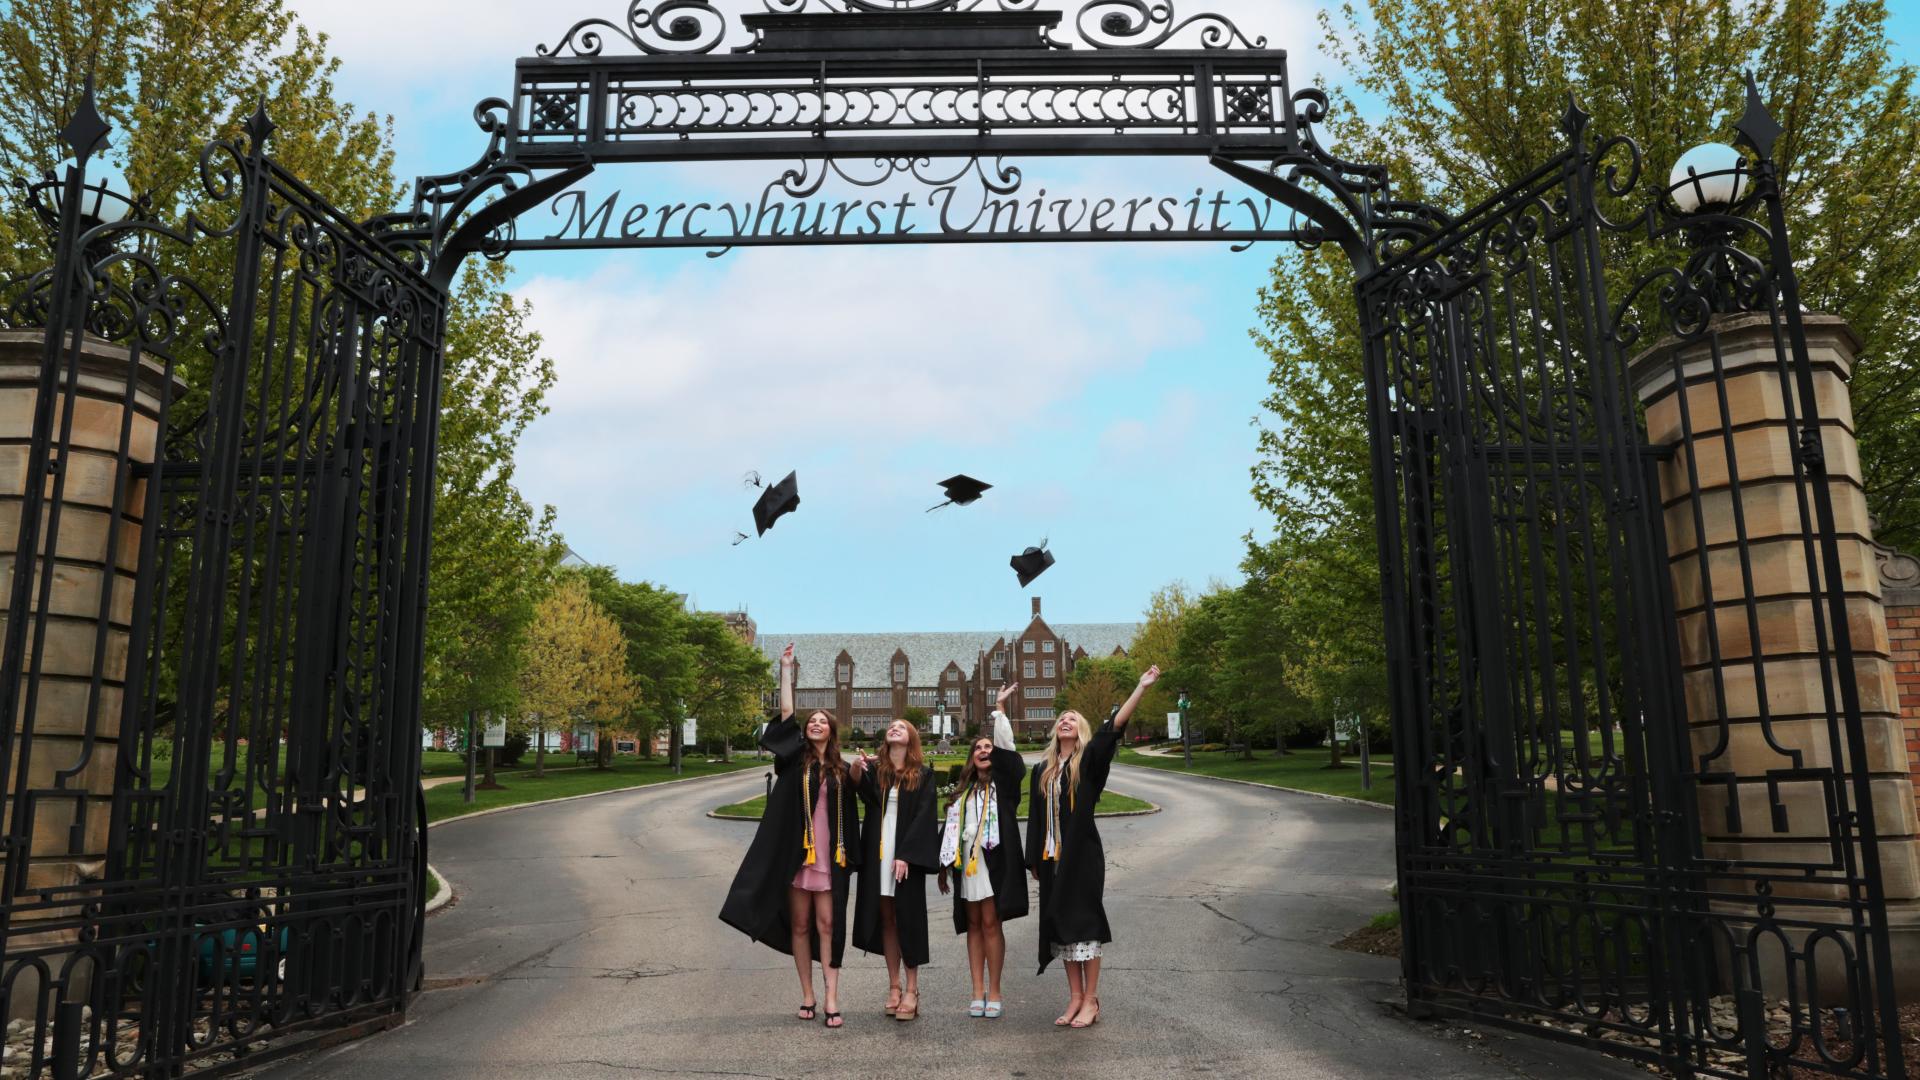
(940,714)
(1186,729)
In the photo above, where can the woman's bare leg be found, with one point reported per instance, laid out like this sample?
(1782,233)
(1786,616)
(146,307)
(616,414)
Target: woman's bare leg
(1090,983)
(823,930)
(977,946)
(1076,997)
(994,946)
(800,921)
(890,947)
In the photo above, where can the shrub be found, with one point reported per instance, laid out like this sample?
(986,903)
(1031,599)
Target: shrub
(510,754)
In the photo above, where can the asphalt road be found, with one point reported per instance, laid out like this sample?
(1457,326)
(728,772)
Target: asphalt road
(584,944)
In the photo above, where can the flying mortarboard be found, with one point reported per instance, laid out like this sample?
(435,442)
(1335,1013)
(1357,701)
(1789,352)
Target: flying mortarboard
(774,503)
(1031,563)
(962,490)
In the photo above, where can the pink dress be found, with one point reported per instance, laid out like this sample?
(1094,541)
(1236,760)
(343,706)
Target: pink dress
(819,876)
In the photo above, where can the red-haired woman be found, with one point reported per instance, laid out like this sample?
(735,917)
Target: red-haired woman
(899,848)
(1064,852)
(981,847)
(791,890)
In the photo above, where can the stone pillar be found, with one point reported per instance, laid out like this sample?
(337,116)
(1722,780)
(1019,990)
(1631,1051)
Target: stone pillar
(68,731)
(1762,677)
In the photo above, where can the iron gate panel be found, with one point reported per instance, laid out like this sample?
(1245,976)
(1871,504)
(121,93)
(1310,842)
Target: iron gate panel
(260,873)
(1550,862)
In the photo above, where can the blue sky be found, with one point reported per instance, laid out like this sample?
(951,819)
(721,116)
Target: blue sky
(1109,391)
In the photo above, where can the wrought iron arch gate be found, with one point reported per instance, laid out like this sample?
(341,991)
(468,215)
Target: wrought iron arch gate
(213,838)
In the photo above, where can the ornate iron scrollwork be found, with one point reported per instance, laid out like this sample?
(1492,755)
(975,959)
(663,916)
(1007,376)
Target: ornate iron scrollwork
(1149,24)
(669,26)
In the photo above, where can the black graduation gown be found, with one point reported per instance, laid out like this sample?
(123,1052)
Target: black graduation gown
(1005,867)
(1071,888)
(756,903)
(916,840)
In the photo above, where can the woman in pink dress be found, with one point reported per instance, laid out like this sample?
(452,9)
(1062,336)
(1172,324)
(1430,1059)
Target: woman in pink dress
(791,890)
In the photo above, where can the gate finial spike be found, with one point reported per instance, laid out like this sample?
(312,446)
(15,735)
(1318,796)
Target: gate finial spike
(1574,120)
(86,132)
(259,126)
(1757,127)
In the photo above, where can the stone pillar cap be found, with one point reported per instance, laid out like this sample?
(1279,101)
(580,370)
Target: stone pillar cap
(1651,372)
(99,358)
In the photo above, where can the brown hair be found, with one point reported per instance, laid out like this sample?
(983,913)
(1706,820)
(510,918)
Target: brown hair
(835,763)
(969,775)
(915,757)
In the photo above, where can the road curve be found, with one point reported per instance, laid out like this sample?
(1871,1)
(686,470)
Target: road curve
(584,945)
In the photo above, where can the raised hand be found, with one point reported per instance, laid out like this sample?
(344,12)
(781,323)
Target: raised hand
(1000,700)
(1149,676)
(786,657)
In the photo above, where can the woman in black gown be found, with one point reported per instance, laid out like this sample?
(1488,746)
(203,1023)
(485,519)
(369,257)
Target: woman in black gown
(980,849)
(899,846)
(1064,852)
(791,890)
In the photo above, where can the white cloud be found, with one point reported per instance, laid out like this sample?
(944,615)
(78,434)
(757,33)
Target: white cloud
(725,366)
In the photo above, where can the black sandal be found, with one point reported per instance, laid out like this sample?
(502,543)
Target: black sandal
(829,1019)
(807,1011)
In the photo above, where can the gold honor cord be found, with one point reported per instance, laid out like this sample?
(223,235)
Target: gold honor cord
(972,858)
(806,816)
(1053,809)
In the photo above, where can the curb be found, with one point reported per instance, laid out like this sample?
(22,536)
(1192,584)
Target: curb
(443,897)
(1255,783)
(576,798)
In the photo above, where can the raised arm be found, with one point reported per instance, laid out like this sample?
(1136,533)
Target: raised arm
(1003,727)
(1147,679)
(786,682)
(1008,767)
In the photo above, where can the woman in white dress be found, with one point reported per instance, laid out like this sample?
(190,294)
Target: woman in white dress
(899,841)
(980,846)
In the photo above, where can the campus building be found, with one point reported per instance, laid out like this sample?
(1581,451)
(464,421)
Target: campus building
(868,679)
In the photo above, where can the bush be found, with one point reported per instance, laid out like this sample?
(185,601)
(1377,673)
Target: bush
(510,754)
(1307,738)
(953,774)
(163,749)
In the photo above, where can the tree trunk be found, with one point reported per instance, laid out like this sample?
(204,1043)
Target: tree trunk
(540,749)
(1333,745)
(602,749)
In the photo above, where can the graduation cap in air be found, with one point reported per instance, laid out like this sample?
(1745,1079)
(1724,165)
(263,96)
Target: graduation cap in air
(775,502)
(962,490)
(1031,563)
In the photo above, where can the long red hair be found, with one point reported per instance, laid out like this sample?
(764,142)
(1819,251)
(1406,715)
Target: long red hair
(909,776)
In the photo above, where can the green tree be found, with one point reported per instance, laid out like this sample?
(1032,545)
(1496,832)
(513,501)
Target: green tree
(574,666)
(726,680)
(1156,642)
(653,620)
(1097,684)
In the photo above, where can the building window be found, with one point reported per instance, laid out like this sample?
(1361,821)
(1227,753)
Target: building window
(1047,645)
(814,699)
(953,676)
(1026,646)
(1039,714)
(1046,669)
(846,673)
(899,672)
(873,699)
(926,699)
(999,670)
(1026,669)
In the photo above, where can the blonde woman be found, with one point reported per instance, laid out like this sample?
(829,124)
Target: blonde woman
(980,846)
(900,844)
(1064,852)
(791,890)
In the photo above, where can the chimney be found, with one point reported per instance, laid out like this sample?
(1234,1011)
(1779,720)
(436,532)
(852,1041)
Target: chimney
(1036,607)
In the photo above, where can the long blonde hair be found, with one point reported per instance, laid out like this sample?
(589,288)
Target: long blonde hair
(915,757)
(1050,762)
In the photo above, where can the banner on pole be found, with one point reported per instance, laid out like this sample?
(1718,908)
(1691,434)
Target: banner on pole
(689,732)
(495,734)
(1173,725)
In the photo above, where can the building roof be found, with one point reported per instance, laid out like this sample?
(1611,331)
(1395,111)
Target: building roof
(927,653)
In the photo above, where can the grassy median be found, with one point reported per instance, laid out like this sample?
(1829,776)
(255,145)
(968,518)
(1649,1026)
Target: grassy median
(444,802)
(1302,770)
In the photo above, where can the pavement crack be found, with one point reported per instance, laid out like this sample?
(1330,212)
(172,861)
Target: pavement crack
(1253,932)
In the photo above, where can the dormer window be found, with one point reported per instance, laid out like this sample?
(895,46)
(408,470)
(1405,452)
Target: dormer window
(846,673)
(899,672)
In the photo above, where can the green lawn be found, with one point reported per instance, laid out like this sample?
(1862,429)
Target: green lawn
(1305,770)
(1110,803)
(444,802)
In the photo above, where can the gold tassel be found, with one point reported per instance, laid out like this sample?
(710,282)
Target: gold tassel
(973,866)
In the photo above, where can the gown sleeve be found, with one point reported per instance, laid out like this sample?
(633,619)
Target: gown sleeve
(785,740)
(868,788)
(1036,826)
(1008,767)
(919,835)
(1100,750)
